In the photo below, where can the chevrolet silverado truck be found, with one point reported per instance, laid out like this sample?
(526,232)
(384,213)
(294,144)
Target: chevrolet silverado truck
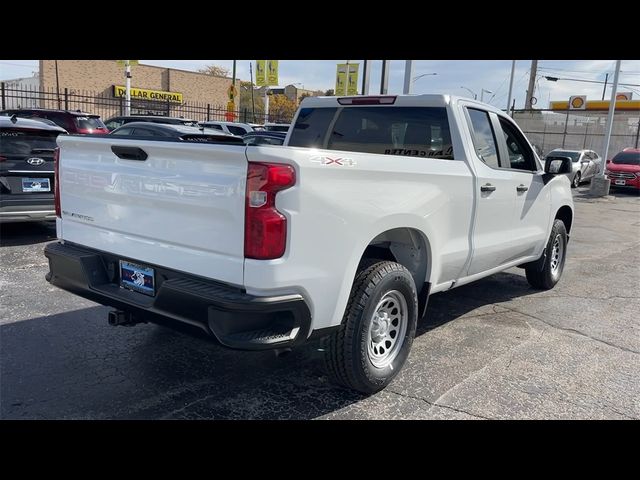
(372,204)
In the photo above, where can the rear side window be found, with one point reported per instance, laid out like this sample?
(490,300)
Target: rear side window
(24,142)
(113,124)
(484,139)
(236,130)
(410,131)
(217,127)
(122,131)
(311,127)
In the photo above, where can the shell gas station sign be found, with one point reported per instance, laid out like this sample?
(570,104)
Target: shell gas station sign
(579,102)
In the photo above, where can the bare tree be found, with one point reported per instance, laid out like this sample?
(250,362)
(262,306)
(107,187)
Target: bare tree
(215,70)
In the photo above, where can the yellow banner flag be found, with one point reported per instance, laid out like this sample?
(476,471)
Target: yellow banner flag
(261,73)
(352,79)
(341,79)
(272,72)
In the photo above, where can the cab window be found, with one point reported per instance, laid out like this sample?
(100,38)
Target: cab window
(520,155)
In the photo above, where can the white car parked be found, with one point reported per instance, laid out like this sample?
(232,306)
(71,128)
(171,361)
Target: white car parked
(229,127)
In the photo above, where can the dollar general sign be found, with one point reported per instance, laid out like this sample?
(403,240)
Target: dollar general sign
(144,94)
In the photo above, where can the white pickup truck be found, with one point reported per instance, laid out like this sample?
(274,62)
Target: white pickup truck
(372,204)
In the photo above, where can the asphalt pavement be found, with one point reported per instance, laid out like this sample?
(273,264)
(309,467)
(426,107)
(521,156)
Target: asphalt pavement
(494,349)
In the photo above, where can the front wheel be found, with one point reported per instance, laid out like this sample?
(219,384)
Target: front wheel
(576,180)
(375,337)
(556,253)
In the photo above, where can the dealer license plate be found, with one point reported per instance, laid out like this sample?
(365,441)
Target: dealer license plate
(137,278)
(620,182)
(36,185)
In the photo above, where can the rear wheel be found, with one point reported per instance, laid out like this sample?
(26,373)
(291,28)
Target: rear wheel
(375,337)
(576,180)
(556,252)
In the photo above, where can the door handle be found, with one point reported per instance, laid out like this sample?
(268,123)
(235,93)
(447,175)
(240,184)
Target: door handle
(487,188)
(129,153)
(522,188)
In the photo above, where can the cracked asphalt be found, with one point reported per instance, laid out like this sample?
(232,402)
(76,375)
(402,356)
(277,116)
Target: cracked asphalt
(495,349)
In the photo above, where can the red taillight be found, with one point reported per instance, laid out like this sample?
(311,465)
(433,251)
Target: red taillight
(56,180)
(265,228)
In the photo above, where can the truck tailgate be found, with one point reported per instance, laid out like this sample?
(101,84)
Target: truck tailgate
(181,208)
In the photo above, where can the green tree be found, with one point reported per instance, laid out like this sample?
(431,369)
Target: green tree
(329,93)
(215,70)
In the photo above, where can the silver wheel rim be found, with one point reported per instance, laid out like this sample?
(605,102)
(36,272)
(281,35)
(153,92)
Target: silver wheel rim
(387,329)
(576,180)
(557,252)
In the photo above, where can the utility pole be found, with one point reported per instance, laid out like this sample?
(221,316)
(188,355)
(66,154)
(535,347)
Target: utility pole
(513,71)
(408,75)
(604,90)
(384,80)
(127,94)
(58,87)
(253,102)
(600,184)
(233,75)
(346,79)
(366,73)
(532,84)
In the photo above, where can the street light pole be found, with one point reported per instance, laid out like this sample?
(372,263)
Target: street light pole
(253,102)
(384,77)
(408,73)
(420,76)
(600,184)
(513,71)
(127,97)
(604,90)
(475,95)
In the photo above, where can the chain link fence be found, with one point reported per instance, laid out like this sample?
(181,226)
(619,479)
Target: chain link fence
(575,130)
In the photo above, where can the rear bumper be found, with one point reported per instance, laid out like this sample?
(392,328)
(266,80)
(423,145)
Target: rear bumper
(26,210)
(236,319)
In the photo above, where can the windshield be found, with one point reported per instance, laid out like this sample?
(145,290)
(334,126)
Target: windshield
(627,158)
(574,156)
(89,123)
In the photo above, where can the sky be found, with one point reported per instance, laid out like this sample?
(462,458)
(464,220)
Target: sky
(451,76)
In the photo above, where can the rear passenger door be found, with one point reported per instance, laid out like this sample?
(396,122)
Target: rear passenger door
(495,195)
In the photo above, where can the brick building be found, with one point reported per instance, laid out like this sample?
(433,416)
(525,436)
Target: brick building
(103,76)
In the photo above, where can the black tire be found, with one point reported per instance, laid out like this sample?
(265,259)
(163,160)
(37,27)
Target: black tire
(547,278)
(575,183)
(347,351)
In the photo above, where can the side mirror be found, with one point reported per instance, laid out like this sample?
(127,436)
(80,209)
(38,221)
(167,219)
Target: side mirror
(557,165)
(608,162)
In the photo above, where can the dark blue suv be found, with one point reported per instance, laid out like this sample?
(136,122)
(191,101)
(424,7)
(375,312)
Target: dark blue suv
(27,169)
